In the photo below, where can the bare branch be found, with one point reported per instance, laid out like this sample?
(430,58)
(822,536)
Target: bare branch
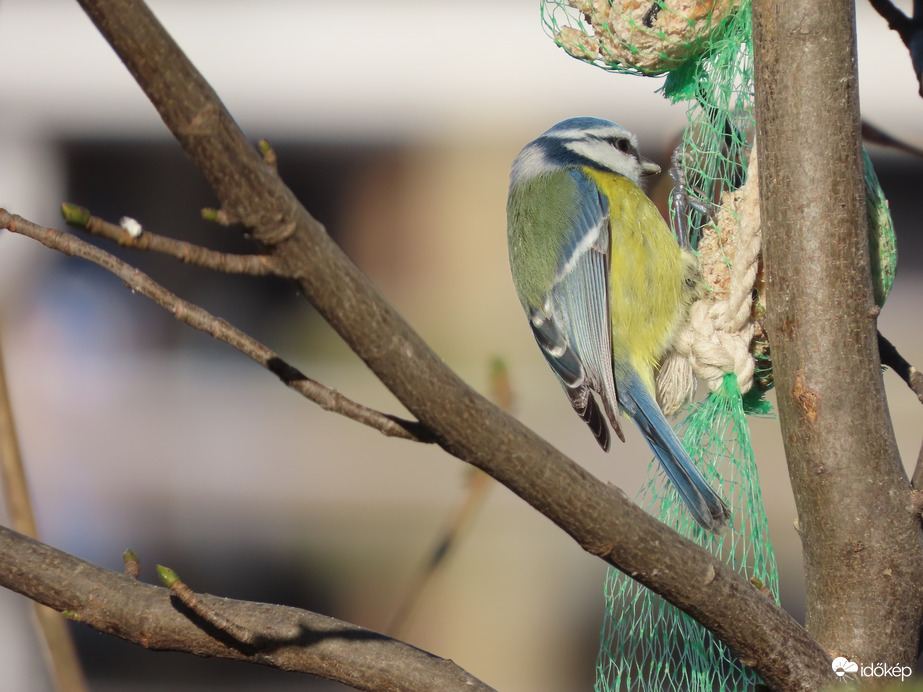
(13,480)
(908,28)
(872,134)
(601,519)
(501,392)
(211,614)
(229,263)
(116,604)
(897,20)
(64,666)
(459,522)
(891,357)
(139,282)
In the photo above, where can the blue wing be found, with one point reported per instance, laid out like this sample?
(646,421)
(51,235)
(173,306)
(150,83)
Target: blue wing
(572,327)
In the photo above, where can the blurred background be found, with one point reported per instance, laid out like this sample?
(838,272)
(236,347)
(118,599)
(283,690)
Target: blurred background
(395,123)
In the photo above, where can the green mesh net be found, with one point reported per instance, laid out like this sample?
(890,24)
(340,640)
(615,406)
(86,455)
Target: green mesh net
(882,242)
(648,38)
(648,644)
(704,47)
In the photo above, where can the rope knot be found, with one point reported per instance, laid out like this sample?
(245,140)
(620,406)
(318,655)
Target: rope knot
(715,337)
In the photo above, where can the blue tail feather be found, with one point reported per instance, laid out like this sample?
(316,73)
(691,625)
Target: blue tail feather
(705,505)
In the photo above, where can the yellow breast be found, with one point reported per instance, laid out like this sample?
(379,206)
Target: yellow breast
(646,277)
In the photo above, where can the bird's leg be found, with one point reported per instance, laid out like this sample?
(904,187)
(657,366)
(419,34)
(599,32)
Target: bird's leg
(686,200)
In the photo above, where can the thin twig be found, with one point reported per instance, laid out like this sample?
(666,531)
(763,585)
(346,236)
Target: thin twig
(897,20)
(891,357)
(229,263)
(501,391)
(191,314)
(211,614)
(472,501)
(872,134)
(148,615)
(12,472)
(908,28)
(63,664)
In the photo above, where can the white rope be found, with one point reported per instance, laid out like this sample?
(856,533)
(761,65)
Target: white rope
(715,338)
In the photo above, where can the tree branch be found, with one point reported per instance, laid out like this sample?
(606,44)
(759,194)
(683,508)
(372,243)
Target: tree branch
(601,519)
(608,524)
(897,20)
(63,664)
(891,357)
(198,318)
(294,640)
(229,263)
(598,517)
(908,28)
(862,546)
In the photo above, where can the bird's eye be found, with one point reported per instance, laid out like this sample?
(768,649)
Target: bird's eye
(622,145)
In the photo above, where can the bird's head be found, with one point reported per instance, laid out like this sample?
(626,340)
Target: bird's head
(591,142)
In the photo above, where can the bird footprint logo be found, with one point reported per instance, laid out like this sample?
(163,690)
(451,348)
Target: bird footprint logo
(842,665)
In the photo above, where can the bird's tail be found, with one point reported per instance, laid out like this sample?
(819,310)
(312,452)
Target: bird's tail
(706,506)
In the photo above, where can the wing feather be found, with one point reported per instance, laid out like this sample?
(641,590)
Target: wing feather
(573,328)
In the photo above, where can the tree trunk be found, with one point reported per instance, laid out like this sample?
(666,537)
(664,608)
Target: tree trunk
(863,547)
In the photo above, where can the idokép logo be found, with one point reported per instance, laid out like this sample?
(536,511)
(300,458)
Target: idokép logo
(842,666)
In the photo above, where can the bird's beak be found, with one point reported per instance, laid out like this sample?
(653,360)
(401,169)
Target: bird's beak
(648,167)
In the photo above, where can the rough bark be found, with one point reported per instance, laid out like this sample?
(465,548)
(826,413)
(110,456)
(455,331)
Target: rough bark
(863,547)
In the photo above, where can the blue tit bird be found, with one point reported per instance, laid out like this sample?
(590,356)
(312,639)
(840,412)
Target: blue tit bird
(604,284)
